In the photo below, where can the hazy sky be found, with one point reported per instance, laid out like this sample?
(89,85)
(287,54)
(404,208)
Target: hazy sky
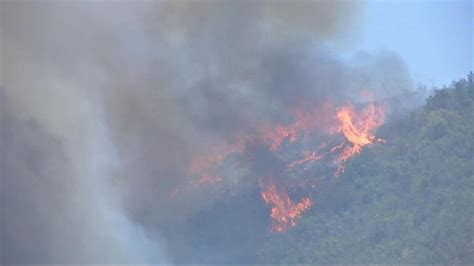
(433,37)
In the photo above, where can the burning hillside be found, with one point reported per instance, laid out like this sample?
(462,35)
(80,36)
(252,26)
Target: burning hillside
(160,113)
(349,130)
(285,213)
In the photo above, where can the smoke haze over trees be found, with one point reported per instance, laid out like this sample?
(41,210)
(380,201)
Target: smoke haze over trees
(408,201)
(105,105)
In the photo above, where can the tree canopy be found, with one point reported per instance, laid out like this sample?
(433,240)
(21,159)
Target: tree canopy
(407,201)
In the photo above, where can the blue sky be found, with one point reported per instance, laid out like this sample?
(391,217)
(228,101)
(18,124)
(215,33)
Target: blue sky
(435,38)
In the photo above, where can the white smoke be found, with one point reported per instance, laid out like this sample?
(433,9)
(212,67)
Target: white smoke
(132,90)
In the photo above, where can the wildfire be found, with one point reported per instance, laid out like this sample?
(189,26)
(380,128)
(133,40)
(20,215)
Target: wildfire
(353,130)
(204,167)
(285,213)
(275,138)
(305,122)
(358,129)
(309,157)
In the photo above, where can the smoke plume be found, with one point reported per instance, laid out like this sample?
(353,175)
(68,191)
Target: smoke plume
(106,104)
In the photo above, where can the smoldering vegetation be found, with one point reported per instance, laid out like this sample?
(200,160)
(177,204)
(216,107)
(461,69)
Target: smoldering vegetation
(105,104)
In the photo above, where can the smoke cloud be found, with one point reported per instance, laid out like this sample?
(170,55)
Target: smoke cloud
(105,105)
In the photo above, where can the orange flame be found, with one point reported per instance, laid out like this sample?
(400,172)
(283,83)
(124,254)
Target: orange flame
(309,157)
(358,128)
(305,121)
(203,166)
(275,138)
(285,213)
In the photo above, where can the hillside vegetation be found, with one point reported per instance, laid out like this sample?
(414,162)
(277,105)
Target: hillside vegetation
(407,201)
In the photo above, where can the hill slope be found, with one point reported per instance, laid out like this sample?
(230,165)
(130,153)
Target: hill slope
(408,201)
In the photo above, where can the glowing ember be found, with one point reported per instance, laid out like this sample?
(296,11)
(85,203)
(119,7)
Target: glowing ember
(275,138)
(285,213)
(203,167)
(309,157)
(305,121)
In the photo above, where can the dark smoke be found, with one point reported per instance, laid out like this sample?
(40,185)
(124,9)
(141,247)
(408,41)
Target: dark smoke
(105,104)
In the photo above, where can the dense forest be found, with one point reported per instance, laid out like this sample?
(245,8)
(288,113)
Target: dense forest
(408,201)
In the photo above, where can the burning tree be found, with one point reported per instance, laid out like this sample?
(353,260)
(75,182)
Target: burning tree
(350,131)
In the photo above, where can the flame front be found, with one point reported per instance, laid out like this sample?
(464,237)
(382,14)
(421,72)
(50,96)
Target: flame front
(285,213)
(309,157)
(352,130)
(359,129)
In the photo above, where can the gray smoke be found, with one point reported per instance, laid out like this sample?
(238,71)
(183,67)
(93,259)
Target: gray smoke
(105,104)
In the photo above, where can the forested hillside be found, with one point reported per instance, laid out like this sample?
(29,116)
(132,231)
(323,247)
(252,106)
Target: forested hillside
(407,201)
